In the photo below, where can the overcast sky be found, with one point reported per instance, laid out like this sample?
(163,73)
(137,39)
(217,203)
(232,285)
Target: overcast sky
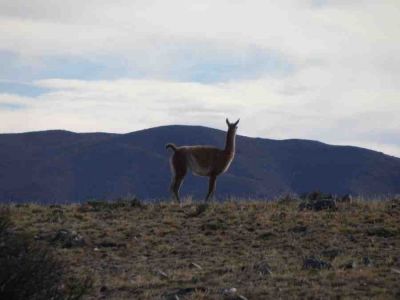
(325,70)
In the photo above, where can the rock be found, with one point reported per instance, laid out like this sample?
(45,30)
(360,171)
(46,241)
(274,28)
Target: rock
(68,239)
(231,294)
(229,291)
(314,263)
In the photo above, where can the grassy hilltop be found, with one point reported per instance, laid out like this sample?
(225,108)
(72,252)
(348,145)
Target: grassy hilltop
(230,250)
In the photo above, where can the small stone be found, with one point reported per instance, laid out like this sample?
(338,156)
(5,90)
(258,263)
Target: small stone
(229,291)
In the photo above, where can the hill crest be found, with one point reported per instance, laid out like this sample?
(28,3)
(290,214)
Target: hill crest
(63,166)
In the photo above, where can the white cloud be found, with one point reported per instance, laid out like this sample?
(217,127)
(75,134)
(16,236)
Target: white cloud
(295,27)
(128,105)
(345,81)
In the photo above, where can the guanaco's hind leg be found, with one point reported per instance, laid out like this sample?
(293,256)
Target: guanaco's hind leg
(175,186)
(178,166)
(211,187)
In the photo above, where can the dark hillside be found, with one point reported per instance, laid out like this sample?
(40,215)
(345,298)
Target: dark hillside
(61,166)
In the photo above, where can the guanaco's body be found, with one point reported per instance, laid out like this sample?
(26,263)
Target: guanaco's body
(203,161)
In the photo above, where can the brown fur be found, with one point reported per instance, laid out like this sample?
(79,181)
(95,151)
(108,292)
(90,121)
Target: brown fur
(202,161)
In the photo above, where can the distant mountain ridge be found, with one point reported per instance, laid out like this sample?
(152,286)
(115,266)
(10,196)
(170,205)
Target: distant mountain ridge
(62,166)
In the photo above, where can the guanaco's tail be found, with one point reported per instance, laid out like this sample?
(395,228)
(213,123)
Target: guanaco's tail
(170,145)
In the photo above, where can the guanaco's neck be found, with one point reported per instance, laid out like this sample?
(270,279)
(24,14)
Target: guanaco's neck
(230,141)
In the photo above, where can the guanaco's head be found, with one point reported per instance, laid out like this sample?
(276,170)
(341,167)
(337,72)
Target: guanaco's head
(232,127)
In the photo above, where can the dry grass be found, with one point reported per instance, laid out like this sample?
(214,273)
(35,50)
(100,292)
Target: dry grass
(147,252)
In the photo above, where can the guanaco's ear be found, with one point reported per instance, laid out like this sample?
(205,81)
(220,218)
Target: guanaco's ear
(237,122)
(227,122)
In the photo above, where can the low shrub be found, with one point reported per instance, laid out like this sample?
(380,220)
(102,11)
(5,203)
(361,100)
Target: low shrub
(30,270)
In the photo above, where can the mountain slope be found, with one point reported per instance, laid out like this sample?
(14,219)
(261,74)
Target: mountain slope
(61,166)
